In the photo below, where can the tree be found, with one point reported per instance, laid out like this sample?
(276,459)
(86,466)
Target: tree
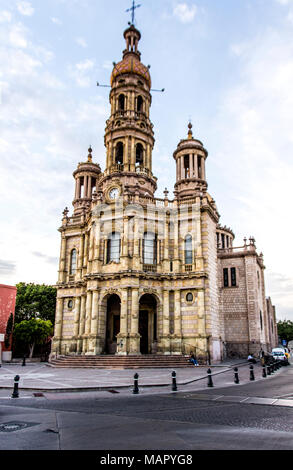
(9,328)
(285,330)
(32,332)
(35,301)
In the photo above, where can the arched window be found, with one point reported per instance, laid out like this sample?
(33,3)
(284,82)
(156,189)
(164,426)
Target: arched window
(188,249)
(113,248)
(150,249)
(119,153)
(139,155)
(186,167)
(121,103)
(73,262)
(139,105)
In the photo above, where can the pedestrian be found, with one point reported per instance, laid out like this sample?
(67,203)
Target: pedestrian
(251,359)
(193,360)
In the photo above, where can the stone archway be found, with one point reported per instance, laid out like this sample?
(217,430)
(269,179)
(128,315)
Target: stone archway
(147,325)
(110,324)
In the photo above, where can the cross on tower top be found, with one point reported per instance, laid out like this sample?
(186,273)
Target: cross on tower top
(132,9)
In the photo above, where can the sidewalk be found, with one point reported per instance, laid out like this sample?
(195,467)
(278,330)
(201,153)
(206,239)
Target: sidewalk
(42,377)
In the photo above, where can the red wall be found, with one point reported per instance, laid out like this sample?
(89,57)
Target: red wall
(7,306)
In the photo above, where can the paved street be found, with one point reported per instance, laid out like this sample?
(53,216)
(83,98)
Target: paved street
(252,415)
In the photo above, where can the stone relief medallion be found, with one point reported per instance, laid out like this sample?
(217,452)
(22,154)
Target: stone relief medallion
(111,292)
(150,291)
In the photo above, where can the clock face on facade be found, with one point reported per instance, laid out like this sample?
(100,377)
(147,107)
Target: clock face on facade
(114,193)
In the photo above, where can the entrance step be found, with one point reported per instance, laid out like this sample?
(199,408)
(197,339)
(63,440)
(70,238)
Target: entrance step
(121,362)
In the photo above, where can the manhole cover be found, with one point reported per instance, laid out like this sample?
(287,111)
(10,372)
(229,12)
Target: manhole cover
(11,427)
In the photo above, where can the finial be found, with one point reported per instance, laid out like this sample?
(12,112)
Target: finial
(166,193)
(190,134)
(132,9)
(90,157)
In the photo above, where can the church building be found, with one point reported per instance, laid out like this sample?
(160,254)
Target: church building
(139,275)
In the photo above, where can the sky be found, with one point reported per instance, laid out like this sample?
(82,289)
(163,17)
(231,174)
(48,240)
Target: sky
(226,65)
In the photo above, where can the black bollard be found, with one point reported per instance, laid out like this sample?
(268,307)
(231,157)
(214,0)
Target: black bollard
(210,380)
(15,393)
(251,372)
(174,384)
(23,361)
(269,370)
(264,374)
(236,375)
(136,389)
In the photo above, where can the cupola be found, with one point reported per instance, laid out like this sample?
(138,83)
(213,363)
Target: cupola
(190,157)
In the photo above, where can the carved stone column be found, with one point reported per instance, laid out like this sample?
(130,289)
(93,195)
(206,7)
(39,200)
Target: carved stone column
(134,346)
(124,256)
(202,338)
(81,323)
(97,241)
(59,318)
(177,337)
(77,316)
(166,323)
(122,337)
(94,323)
(62,265)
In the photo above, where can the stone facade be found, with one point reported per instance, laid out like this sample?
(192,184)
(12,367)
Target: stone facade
(142,275)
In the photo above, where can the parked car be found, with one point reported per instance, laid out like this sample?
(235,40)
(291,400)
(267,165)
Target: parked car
(280,355)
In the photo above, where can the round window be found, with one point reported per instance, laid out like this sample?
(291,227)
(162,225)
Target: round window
(189,297)
(70,303)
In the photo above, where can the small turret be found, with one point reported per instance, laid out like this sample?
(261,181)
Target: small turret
(190,157)
(86,181)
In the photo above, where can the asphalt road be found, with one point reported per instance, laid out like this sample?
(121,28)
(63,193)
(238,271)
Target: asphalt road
(214,419)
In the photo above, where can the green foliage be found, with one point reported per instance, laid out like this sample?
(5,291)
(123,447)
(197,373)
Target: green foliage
(35,301)
(285,330)
(32,332)
(9,328)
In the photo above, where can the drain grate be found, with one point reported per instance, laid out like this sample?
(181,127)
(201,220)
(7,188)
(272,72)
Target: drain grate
(113,391)
(13,426)
(38,395)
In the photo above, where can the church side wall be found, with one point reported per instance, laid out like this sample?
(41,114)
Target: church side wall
(213,330)
(234,308)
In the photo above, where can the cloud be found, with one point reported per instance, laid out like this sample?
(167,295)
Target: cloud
(25,8)
(48,259)
(184,12)
(56,21)
(45,132)
(6,267)
(284,2)
(5,16)
(81,72)
(255,164)
(81,42)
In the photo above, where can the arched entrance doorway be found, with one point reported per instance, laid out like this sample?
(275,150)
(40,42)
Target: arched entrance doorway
(148,324)
(112,323)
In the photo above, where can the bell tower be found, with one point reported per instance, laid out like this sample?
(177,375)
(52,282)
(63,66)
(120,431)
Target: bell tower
(190,157)
(129,136)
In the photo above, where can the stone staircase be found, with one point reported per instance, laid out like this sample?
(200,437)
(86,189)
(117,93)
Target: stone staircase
(121,362)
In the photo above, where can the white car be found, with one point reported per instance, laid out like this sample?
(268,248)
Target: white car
(279,355)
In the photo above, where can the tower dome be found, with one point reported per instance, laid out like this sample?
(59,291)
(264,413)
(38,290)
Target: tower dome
(131,58)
